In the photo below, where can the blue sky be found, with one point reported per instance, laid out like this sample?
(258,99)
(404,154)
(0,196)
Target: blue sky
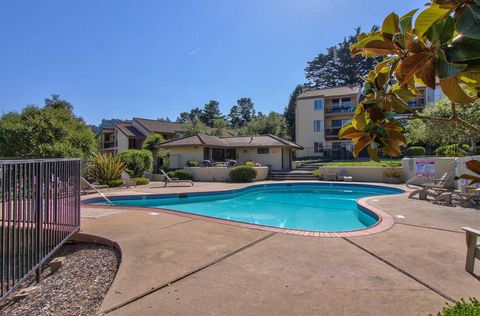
(124,58)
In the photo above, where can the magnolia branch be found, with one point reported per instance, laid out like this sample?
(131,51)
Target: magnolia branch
(453,119)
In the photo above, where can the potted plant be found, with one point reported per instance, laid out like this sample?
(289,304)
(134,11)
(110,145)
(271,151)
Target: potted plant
(392,175)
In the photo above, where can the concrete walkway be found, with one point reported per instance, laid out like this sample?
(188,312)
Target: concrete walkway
(173,265)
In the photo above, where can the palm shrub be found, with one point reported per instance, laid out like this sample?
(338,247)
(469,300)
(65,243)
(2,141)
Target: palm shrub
(243,174)
(103,168)
(455,150)
(137,161)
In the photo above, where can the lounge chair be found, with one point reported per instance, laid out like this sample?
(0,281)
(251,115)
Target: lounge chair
(174,180)
(87,187)
(127,181)
(329,176)
(430,187)
(470,199)
(473,248)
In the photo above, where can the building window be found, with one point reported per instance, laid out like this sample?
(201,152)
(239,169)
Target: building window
(318,147)
(218,154)
(335,102)
(318,105)
(340,123)
(434,95)
(132,143)
(347,101)
(318,126)
(231,154)
(263,151)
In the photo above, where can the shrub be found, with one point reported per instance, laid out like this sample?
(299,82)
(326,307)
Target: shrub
(243,174)
(440,151)
(114,183)
(180,174)
(457,151)
(392,173)
(462,308)
(141,181)
(250,164)
(103,168)
(137,161)
(415,151)
(193,163)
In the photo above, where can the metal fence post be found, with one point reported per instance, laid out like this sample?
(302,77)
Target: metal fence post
(38,220)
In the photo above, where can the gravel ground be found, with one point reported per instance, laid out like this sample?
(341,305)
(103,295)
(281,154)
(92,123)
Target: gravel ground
(77,288)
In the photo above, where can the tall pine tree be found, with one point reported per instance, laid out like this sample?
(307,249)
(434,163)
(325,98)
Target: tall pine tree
(337,67)
(289,111)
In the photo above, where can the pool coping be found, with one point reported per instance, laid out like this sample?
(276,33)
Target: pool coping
(385,220)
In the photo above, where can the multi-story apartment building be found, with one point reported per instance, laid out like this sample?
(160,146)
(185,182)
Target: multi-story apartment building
(124,136)
(320,114)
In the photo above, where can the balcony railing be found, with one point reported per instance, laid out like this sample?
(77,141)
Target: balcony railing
(332,133)
(340,109)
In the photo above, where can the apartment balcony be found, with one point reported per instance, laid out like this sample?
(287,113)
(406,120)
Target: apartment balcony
(332,133)
(343,109)
(416,104)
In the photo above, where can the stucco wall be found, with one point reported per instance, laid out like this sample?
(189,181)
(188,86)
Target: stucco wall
(221,173)
(122,142)
(305,136)
(273,159)
(185,154)
(370,174)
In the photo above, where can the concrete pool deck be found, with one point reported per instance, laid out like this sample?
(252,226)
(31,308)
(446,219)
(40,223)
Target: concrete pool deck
(176,265)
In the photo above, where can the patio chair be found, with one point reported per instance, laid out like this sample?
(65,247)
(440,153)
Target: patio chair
(174,180)
(469,199)
(473,248)
(127,181)
(430,187)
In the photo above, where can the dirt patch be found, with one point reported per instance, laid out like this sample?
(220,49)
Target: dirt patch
(77,288)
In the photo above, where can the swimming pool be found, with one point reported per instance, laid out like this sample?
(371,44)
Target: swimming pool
(321,207)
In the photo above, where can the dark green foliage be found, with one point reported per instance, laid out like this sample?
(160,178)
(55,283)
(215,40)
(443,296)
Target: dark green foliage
(137,161)
(243,174)
(211,111)
(262,124)
(337,67)
(289,112)
(246,110)
(234,117)
(49,132)
(440,151)
(193,163)
(141,181)
(455,150)
(462,308)
(113,183)
(415,151)
(102,168)
(180,174)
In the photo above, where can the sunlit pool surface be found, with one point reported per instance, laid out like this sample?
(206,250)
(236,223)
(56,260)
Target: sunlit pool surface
(315,207)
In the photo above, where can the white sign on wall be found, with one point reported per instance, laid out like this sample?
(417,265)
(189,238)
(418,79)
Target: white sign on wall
(425,167)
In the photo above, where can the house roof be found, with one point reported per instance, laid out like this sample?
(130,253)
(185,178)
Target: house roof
(231,142)
(162,127)
(330,92)
(129,130)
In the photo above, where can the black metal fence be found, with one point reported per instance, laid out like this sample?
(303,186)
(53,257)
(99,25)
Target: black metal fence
(40,210)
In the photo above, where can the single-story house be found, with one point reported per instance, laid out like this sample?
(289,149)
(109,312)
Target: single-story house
(268,150)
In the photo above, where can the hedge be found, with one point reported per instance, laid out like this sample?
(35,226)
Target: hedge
(141,181)
(180,174)
(137,161)
(243,174)
(415,151)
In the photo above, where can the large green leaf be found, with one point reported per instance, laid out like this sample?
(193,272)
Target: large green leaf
(405,22)
(454,91)
(390,25)
(427,17)
(464,49)
(441,31)
(468,21)
(444,68)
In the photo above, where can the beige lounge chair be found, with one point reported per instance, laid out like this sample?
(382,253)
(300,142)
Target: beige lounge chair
(473,248)
(431,187)
(174,180)
(127,181)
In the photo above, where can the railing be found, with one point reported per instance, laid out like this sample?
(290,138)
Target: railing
(332,133)
(109,145)
(340,109)
(40,210)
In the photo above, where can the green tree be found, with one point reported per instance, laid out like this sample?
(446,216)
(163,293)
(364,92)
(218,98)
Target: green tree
(337,67)
(196,127)
(443,133)
(152,142)
(262,124)
(211,111)
(189,117)
(246,110)
(220,125)
(137,162)
(234,117)
(48,132)
(289,111)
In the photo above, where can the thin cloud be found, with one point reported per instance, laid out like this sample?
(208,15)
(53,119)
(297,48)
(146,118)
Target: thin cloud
(193,51)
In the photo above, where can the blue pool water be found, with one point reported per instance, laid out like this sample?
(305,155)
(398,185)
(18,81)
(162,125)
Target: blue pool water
(317,207)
